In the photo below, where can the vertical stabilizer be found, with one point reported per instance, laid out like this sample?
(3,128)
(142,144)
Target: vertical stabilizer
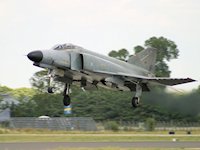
(145,59)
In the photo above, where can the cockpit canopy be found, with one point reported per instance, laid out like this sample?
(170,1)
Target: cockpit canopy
(66,46)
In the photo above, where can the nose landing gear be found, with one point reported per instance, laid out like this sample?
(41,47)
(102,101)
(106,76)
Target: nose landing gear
(50,90)
(66,97)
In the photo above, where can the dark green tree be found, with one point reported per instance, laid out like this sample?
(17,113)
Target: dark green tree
(138,48)
(5,90)
(167,49)
(48,104)
(121,54)
(40,81)
(26,108)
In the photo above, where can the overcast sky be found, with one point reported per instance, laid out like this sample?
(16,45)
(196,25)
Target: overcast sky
(97,25)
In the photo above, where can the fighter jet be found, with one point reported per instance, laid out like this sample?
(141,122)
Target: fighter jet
(72,64)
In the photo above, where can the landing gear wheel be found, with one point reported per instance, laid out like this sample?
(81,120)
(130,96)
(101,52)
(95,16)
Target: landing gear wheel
(50,90)
(135,101)
(66,100)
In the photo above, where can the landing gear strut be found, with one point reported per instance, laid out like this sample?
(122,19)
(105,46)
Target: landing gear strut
(66,99)
(136,98)
(51,77)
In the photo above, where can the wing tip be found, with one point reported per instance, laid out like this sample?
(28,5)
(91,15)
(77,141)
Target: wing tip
(191,80)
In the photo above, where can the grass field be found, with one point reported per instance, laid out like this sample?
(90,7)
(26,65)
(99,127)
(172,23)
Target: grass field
(92,138)
(33,135)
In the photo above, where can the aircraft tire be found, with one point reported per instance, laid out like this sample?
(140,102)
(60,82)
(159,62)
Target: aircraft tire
(50,90)
(66,100)
(135,102)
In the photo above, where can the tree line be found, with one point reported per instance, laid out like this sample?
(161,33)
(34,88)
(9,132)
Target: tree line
(109,105)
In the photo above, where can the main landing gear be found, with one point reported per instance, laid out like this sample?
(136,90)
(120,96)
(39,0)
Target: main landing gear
(136,98)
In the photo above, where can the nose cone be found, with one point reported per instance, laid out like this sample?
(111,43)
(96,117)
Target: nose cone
(35,56)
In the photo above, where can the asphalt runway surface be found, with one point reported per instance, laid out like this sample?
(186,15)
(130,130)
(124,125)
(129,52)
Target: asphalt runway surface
(55,145)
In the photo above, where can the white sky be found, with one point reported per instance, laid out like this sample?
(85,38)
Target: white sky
(97,25)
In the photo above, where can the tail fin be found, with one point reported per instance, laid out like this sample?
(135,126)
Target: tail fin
(145,59)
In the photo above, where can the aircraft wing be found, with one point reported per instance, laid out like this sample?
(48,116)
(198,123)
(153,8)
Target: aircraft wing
(160,80)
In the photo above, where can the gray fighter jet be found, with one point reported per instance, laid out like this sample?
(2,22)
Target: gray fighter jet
(69,63)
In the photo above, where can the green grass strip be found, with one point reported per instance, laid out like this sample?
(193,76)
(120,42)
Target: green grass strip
(93,137)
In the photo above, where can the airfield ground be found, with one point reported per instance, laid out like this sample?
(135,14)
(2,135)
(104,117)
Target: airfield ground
(59,140)
(99,145)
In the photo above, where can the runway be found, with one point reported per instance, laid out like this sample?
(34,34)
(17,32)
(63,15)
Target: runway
(54,145)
